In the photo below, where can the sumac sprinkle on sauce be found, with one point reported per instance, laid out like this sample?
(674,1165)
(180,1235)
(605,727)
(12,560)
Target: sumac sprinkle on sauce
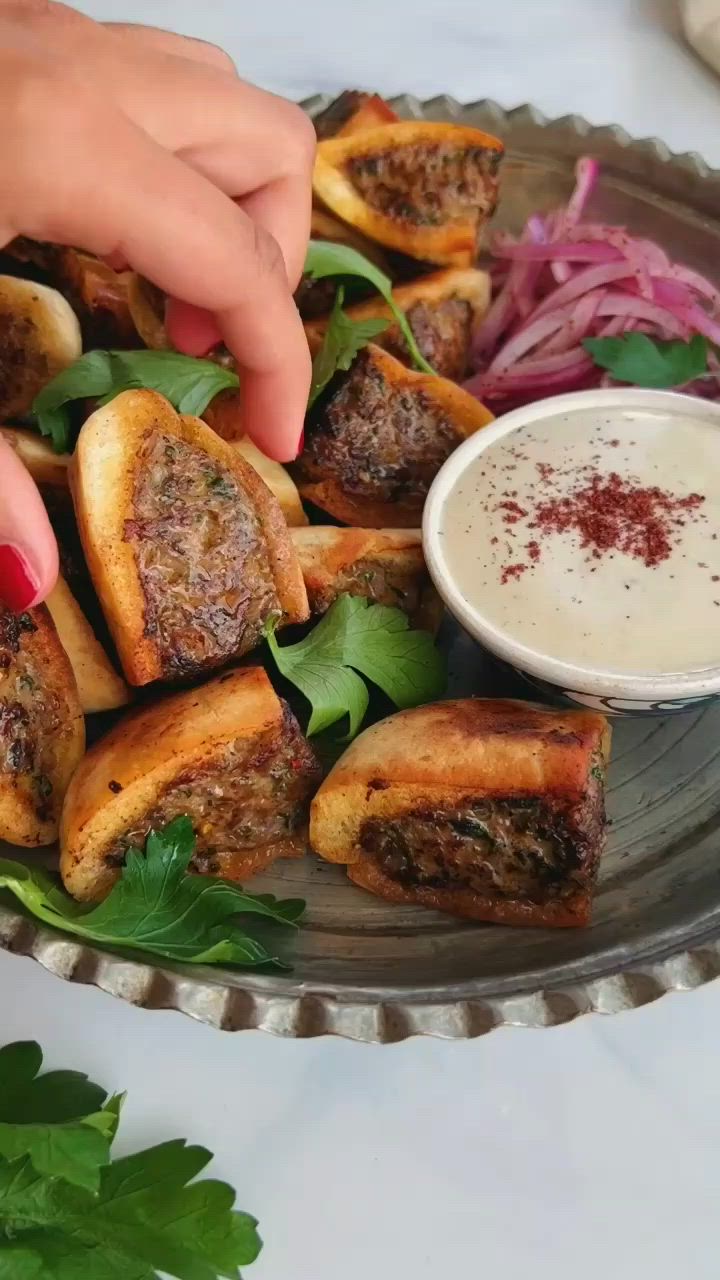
(592,535)
(612,513)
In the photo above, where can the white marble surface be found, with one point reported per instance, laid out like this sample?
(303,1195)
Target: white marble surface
(590,1150)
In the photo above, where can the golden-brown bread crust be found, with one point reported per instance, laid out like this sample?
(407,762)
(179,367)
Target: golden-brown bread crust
(40,337)
(146,304)
(103,474)
(352,112)
(452,242)
(466,284)
(330,556)
(225,415)
(99,295)
(99,686)
(341,480)
(429,760)
(47,468)
(27,818)
(278,480)
(122,776)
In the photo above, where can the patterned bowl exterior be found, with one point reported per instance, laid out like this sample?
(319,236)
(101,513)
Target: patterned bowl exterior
(368,972)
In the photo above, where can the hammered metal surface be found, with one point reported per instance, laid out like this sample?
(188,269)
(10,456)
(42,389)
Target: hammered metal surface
(372,972)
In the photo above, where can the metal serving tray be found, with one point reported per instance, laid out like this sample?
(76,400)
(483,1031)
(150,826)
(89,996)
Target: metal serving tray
(373,972)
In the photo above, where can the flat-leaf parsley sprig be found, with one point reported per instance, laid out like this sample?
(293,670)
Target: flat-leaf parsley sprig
(352,640)
(126,1219)
(156,906)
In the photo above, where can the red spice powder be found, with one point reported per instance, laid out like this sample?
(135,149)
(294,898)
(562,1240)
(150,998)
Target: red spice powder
(513,510)
(611,513)
(512,571)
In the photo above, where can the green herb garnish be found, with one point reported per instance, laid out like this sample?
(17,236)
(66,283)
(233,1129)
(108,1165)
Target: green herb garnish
(68,1212)
(649,362)
(57,1121)
(327,259)
(187,383)
(157,907)
(357,637)
(342,340)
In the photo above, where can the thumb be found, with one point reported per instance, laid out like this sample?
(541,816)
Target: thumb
(28,551)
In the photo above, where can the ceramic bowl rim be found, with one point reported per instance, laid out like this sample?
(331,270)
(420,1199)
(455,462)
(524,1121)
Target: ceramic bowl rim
(564,675)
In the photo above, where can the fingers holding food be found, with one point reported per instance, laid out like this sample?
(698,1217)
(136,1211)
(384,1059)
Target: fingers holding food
(229,756)
(426,190)
(28,551)
(491,810)
(187,548)
(42,731)
(99,686)
(377,439)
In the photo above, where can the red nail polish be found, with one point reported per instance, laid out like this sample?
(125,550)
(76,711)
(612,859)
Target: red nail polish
(17,588)
(301,443)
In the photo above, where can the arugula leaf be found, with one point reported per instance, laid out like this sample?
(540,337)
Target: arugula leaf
(157,907)
(324,258)
(356,636)
(188,384)
(342,340)
(147,1216)
(55,1119)
(649,362)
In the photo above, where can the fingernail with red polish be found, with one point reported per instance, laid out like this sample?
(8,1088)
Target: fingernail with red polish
(301,443)
(17,588)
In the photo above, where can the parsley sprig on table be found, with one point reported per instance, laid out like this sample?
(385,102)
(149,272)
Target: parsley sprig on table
(157,907)
(352,640)
(69,1211)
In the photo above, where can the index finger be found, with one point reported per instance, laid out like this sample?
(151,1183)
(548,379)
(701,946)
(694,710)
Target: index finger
(28,551)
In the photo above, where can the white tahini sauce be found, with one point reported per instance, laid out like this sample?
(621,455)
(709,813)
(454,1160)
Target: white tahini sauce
(600,608)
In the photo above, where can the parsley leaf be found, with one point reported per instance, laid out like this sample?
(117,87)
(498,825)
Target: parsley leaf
(147,1216)
(157,907)
(342,340)
(649,362)
(324,258)
(56,1120)
(356,636)
(188,384)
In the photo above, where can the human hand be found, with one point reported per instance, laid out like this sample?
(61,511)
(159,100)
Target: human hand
(145,148)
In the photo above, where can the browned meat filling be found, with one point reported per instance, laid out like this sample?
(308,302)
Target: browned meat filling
(30,714)
(315,298)
(427,184)
(252,799)
(442,331)
(201,557)
(377,582)
(513,848)
(383,442)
